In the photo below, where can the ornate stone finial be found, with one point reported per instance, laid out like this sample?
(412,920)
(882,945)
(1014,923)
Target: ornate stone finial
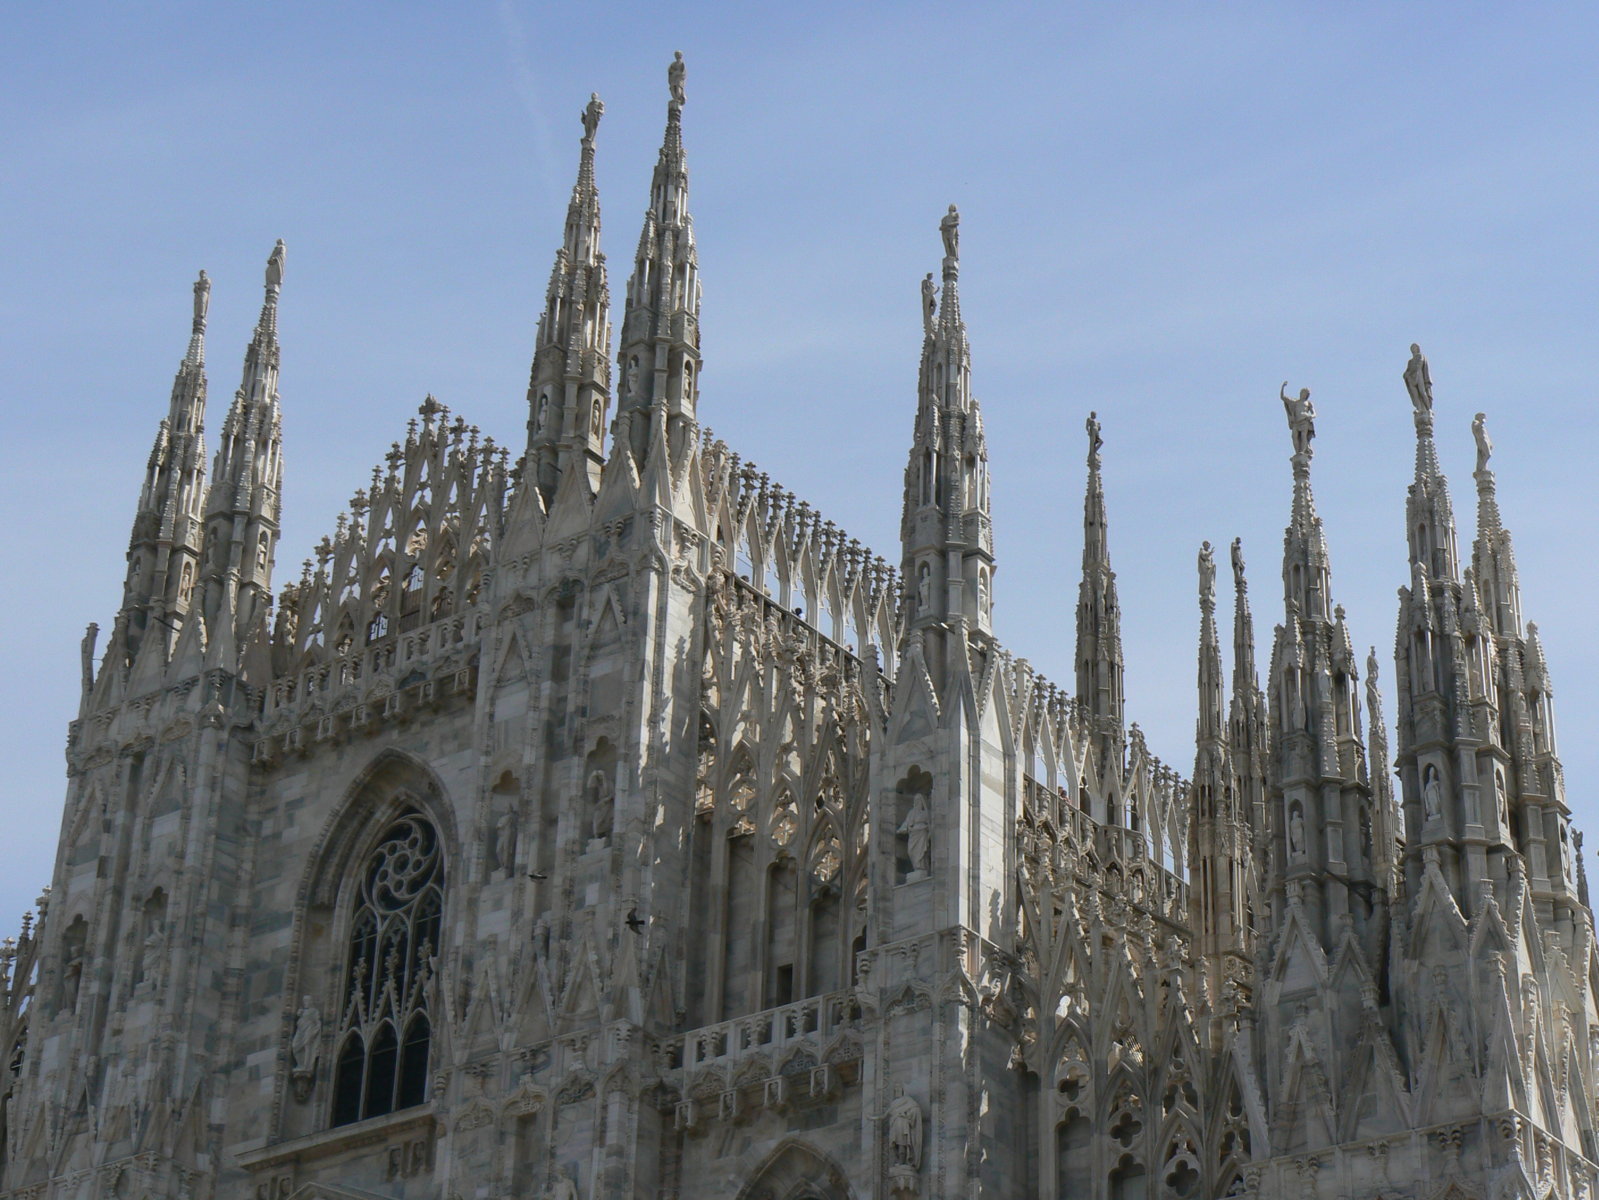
(274,267)
(1485,446)
(674,79)
(950,228)
(1301,419)
(1418,382)
(1094,440)
(592,112)
(1207,578)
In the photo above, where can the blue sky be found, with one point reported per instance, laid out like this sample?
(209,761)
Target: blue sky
(1167,210)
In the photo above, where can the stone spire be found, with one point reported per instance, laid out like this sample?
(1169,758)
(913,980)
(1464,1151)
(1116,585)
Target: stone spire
(1430,516)
(569,388)
(946,528)
(1099,635)
(164,549)
(1219,844)
(1318,796)
(243,503)
(1246,718)
(660,355)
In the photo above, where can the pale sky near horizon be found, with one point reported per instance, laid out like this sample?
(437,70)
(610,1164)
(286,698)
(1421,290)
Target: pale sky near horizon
(1167,210)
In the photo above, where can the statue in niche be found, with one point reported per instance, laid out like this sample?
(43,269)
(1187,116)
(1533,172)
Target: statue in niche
(929,302)
(1485,446)
(1301,418)
(1502,799)
(917,828)
(924,590)
(597,426)
(1432,794)
(598,795)
(71,980)
(305,1048)
(153,956)
(563,1188)
(1296,832)
(543,413)
(630,379)
(950,229)
(982,593)
(1418,381)
(904,1119)
(505,840)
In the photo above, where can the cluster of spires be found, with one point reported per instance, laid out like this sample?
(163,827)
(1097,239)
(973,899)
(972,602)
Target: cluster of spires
(200,557)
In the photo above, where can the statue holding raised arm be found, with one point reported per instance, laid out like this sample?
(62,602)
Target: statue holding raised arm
(1301,418)
(1418,380)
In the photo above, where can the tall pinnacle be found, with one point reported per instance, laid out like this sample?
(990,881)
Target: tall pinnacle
(1212,725)
(242,506)
(1099,638)
(1493,557)
(946,529)
(1306,573)
(1430,516)
(569,387)
(660,356)
(164,548)
(1244,674)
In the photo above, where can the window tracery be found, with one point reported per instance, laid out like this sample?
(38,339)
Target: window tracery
(382,1058)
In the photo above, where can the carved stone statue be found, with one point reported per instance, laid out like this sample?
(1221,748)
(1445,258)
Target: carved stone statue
(274,267)
(904,1119)
(598,794)
(592,112)
(950,228)
(1301,418)
(674,78)
(924,590)
(153,955)
(917,828)
(1094,440)
(564,1188)
(1418,380)
(929,302)
(1207,574)
(1238,563)
(1485,446)
(202,298)
(1432,795)
(1296,832)
(305,1048)
(505,840)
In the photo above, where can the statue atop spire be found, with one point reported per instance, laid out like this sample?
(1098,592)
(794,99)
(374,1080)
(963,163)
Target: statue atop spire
(202,305)
(1485,446)
(1301,419)
(929,303)
(1207,578)
(1094,440)
(1418,381)
(674,79)
(274,267)
(950,228)
(592,112)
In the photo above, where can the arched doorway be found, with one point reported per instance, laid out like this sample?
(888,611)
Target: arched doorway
(795,1171)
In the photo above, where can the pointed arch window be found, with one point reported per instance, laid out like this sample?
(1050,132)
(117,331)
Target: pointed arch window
(381,1063)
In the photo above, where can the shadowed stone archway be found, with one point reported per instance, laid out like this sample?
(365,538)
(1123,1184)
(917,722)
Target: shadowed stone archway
(795,1171)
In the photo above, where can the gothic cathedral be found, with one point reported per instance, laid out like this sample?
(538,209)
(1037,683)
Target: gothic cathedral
(598,821)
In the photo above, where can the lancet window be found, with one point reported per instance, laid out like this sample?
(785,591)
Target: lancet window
(381,1063)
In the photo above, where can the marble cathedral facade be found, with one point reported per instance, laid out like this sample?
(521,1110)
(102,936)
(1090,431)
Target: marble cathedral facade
(600,821)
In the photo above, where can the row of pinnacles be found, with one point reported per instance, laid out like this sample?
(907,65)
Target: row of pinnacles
(734,827)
